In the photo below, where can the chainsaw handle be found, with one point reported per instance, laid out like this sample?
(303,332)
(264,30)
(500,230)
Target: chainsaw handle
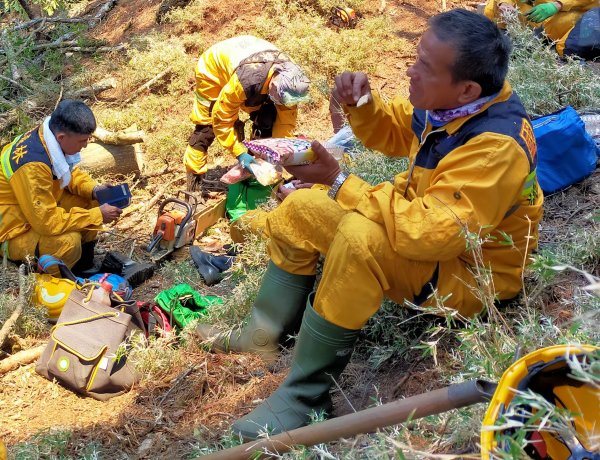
(180,202)
(189,198)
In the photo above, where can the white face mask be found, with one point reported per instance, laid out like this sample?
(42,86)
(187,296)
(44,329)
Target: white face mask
(73,160)
(289,90)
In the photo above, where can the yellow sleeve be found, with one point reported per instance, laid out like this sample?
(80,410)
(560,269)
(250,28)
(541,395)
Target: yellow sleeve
(473,186)
(285,123)
(32,185)
(225,113)
(383,127)
(81,184)
(568,5)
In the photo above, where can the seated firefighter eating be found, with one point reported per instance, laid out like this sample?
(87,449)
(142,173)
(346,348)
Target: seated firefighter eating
(47,204)
(472,169)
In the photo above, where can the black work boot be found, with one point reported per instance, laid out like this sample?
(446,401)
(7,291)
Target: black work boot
(322,351)
(210,267)
(134,272)
(276,313)
(86,266)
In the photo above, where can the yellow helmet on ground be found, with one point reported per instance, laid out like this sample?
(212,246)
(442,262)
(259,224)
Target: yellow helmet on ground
(542,407)
(52,293)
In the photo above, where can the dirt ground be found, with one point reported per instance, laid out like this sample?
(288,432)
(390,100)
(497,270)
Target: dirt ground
(164,418)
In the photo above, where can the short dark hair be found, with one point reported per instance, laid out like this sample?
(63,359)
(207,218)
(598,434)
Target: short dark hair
(482,50)
(72,117)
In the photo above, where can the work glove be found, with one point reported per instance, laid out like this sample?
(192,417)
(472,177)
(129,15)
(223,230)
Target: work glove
(245,160)
(540,13)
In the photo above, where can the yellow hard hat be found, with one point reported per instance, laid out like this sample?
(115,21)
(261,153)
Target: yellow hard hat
(545,372)
(52,293)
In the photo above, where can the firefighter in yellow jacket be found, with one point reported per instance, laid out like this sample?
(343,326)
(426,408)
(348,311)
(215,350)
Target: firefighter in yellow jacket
(243,73)
(557,17)
(46,203)
(472,168)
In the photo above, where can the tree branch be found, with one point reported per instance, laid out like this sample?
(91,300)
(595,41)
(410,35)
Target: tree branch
(10,55)
(21,358)
(12,320)
(92,90)
(148,84)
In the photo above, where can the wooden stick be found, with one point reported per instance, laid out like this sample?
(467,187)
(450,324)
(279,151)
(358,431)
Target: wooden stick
(93,89)
(15,83)
(160,193)
(148,84)
(43,21)
(101,13)
(21,358)
(27,8)
(91,49)
(60,42)
(10,56)
(12,320)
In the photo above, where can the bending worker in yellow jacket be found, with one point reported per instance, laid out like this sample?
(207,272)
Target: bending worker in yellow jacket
(47,204)
(557,17)
(472,159)
(243,73)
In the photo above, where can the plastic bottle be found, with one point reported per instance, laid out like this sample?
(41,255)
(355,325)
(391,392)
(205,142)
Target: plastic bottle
(102,294)
(592,124)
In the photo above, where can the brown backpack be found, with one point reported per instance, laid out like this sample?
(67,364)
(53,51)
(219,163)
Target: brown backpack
(89,347)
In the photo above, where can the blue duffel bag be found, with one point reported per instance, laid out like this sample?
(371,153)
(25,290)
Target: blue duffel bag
(566,153)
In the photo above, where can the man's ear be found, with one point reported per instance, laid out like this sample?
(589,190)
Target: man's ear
(59,136)
(471,91)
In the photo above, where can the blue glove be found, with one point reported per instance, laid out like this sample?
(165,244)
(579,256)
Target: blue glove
(245,159)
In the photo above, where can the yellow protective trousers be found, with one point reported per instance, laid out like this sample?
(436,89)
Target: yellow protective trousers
(66,247)
(361,266)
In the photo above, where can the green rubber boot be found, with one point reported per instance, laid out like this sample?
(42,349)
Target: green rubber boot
(322,352)
(276,313)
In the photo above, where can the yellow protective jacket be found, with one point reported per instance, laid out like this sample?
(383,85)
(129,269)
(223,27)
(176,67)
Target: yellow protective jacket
(476,173)
(234,75)
(29,192)
(556,27)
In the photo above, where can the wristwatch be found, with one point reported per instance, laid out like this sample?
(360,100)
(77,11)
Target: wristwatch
(337,183)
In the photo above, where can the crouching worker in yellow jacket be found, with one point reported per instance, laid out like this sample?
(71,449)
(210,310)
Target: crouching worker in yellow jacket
(472,169)
(46,203)
(243,73)
(556,17)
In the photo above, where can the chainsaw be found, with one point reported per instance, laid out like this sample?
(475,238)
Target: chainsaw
(343,17)
(175,227)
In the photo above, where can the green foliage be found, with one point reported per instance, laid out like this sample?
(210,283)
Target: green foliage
(375,167)
(180,272)
(322,51)
(544,83)
(33,320)
(51,444)
(48,6)
(156,356)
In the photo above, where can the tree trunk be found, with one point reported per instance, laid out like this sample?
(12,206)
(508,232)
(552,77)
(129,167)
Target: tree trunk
(99,159)
(29,9)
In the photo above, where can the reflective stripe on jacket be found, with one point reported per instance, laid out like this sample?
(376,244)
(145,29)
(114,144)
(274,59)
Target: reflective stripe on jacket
(29,192)
(476,173)
(234,75)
